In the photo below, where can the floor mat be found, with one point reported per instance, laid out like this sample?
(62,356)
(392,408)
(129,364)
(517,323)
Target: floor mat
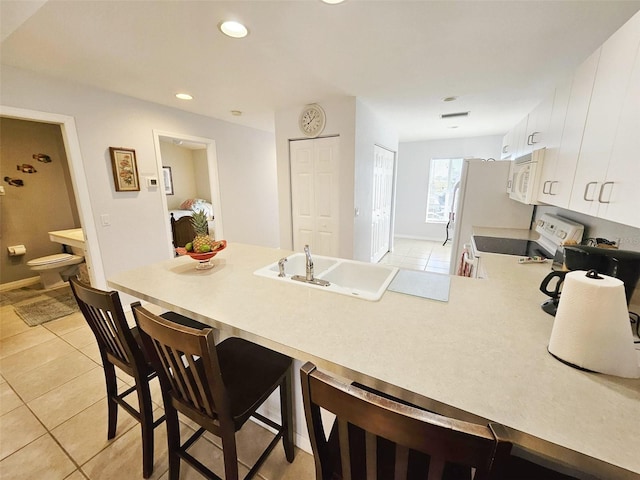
(9,297)
(46,307)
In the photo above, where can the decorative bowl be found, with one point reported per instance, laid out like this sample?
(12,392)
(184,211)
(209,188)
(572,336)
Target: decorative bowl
(203,258)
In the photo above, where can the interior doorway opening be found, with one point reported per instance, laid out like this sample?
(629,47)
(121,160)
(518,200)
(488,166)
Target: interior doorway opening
(78,181)
(188,174)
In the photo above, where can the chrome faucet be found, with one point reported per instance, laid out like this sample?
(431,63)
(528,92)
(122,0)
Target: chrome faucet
(309,264)
(281,263)
(309,278)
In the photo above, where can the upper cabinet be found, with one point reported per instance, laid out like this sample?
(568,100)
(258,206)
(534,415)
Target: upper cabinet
(537,130)
(604,127)
(507,146)
(590,127)
(550,179)
(530,133)
(620,200)
(569,117)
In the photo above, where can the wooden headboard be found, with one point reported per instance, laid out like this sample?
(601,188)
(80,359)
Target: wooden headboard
(182,231)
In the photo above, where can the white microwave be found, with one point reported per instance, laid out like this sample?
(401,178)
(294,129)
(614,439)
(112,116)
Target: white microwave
(524,177)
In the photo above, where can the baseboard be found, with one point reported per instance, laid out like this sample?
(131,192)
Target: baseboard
(300,441)
(25,282)
(415,237)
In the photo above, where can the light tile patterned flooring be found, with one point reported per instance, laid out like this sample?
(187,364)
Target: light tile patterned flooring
(53,414)
(424,255)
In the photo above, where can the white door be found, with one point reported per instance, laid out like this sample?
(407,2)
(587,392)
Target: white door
(382,198)
(315,194)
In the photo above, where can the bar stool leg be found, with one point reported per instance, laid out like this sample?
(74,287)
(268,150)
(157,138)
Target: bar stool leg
(286,412)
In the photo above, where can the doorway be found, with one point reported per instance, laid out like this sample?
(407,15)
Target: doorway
(78,182)
(315,194)
(199,178)
(383,179)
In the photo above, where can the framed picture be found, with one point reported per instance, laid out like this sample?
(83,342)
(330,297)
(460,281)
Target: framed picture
(168,180)
(125,169)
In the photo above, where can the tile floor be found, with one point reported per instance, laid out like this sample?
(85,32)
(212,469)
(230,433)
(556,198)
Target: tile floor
(414,254)
(53,414)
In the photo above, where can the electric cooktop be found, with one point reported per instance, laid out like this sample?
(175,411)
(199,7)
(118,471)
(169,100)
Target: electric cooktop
(510,246)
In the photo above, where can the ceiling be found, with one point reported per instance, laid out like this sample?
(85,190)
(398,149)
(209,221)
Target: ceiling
(400,58)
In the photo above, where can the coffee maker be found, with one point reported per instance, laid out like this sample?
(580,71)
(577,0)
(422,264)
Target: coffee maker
(621,264)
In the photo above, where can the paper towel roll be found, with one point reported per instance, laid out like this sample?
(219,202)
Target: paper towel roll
(591,329)
(16,250)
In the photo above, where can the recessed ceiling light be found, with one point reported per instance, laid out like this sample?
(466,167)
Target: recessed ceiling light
(233,29)
(184,96)
(236,113)
(333,2)
(453,126)
(449,99)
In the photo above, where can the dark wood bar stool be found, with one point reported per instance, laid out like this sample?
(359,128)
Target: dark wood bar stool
(219,387)
(119,347)
(374,437)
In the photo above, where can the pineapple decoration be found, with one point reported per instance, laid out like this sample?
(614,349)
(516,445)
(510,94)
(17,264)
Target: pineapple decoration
(201,243)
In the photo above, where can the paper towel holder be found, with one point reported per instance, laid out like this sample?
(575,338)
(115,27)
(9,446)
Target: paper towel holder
(593,274)
(594,337)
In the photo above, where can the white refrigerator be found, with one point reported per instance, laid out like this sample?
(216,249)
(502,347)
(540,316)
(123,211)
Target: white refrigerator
(481,200)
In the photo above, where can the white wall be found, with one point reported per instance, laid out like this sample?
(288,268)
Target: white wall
(370,131)
(201,170)
(340,116)
(359,130)
(413,179)
(246,163)
(183,176)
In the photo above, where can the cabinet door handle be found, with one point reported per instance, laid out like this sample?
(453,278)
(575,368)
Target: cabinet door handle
(544,187)
(505,149)
(509,183)
(551,187)
(602,191)
(586,190)
(530,138)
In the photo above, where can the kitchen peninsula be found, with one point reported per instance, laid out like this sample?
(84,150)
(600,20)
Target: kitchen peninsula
(480,356)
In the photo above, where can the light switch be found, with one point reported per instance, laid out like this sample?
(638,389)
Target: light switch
(1,190)
(105,219)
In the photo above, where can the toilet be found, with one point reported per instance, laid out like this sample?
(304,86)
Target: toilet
(56,269)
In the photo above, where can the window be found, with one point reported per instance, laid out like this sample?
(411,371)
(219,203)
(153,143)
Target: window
(443,176)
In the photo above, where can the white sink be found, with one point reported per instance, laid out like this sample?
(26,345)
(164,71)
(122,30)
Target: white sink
(346,277)
(296,264)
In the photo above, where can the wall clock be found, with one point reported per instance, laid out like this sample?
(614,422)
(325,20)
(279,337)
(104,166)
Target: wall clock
(312,120)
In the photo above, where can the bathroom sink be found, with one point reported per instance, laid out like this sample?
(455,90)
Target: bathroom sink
(368,281)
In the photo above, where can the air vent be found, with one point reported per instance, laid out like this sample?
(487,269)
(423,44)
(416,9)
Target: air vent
(454,115)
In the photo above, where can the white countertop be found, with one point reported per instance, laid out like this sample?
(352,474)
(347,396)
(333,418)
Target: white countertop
(73,237)
(484,352)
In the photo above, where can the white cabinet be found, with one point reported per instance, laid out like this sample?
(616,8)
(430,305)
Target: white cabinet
(550,181)
(604,125)
(559,186)
(507,146)
(519,138)
(514,142)
(620,200)
(537,129)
